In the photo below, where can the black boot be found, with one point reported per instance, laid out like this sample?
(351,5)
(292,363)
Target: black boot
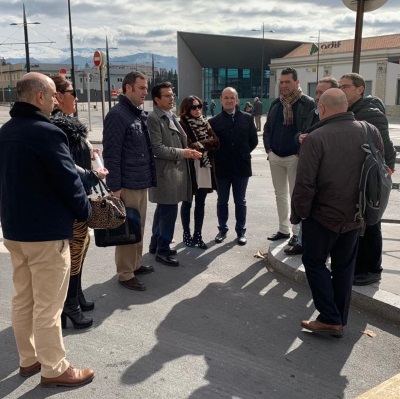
(187,238)
(72,310)
(84,304)
(198,240)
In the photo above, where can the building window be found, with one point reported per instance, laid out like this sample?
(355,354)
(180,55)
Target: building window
(368,88)
(245,81)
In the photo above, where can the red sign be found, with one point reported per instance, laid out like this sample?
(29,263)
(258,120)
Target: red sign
(114,93)
(97,59)
(63,71)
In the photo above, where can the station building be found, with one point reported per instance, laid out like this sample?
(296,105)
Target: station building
(208,63)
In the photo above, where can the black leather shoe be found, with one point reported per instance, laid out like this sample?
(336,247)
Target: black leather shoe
(278,236)
(242,240)
(153,251)
(295,250)
(292,241)
(220,237)
(144,270)
(133,284)
(168,260)
(366,278)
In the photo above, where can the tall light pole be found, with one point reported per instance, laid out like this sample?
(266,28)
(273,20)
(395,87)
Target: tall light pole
(262,58)
(319,39)
(25,24)
(71,43)
(108,71)
(360,6)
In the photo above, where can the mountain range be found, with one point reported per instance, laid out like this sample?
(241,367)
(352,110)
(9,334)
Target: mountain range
(85,56)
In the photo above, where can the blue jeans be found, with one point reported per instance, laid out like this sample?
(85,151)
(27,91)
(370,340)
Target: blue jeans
(239,187)
(331,290)
(163,227)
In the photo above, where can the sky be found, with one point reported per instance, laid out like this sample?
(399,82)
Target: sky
(150,26)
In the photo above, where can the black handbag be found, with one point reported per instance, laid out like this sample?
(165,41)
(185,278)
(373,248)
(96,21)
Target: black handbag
(128,233)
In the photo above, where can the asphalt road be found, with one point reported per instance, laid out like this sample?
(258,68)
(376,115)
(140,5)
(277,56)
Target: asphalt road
(219,326)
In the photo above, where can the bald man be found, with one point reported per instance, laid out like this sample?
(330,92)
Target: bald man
(41,195)
(325,198)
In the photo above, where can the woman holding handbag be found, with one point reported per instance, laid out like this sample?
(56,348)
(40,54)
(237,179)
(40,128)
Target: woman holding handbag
(81,152)
(201,138)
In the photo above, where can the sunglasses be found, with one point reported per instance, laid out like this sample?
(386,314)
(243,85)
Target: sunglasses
(194,107)
(72,92)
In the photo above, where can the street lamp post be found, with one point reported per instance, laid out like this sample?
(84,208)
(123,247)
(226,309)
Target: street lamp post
(72,51)
(262,58)
(25,24)
(108,71)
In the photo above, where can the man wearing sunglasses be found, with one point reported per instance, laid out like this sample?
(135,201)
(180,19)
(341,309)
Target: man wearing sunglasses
(371,109)
(238,138)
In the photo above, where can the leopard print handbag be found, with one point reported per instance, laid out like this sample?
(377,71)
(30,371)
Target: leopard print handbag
(108,212)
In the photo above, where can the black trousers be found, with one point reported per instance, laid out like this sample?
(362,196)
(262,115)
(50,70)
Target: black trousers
(199,203)
(369,256)
(331,290)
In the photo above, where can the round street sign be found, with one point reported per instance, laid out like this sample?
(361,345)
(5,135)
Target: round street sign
(63,71)
(369,5)
(97,59)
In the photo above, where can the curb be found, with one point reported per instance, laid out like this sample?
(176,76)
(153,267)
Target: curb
(370,298)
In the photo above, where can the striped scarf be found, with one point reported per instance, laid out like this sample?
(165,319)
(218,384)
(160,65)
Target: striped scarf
(287,102)
(198,130)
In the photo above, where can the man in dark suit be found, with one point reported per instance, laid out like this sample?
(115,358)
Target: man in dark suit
(169,144)
(238,138)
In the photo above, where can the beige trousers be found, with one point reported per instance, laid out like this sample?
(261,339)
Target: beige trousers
(129,257)
(41,277)
(283,172)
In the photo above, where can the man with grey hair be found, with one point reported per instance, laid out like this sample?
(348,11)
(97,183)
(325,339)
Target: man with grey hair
(325,199)
(41,195)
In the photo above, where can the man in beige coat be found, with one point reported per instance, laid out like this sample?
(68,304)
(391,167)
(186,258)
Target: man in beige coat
(169,144)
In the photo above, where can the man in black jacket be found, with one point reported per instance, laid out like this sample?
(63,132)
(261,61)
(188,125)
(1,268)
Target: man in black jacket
(285,120)
(325,198)
(129,159)
(238,138)
(41,195)
(371,109)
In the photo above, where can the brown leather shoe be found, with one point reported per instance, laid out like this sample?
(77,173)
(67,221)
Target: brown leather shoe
(70,378)
(30,370)
(133,284)
(316,326)
(144,270)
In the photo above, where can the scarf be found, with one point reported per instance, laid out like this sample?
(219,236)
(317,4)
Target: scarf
(287,102)
(198,132)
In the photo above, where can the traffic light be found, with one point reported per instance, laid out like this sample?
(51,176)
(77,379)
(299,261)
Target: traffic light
(9,89)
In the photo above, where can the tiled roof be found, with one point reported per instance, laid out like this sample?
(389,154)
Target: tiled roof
(346,46)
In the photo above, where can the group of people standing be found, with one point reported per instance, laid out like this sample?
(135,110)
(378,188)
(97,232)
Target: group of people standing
(175,161)
(316,156)
(46,175)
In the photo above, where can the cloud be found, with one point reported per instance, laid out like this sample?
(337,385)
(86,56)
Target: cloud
(151,26)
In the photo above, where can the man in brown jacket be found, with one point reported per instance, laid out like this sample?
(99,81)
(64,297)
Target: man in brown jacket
(325,198)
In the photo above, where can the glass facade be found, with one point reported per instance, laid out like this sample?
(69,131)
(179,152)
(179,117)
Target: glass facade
(245,81)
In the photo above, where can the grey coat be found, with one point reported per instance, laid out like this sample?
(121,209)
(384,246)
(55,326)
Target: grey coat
(173,176)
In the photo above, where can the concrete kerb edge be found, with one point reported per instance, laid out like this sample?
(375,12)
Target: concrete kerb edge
(370,298)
